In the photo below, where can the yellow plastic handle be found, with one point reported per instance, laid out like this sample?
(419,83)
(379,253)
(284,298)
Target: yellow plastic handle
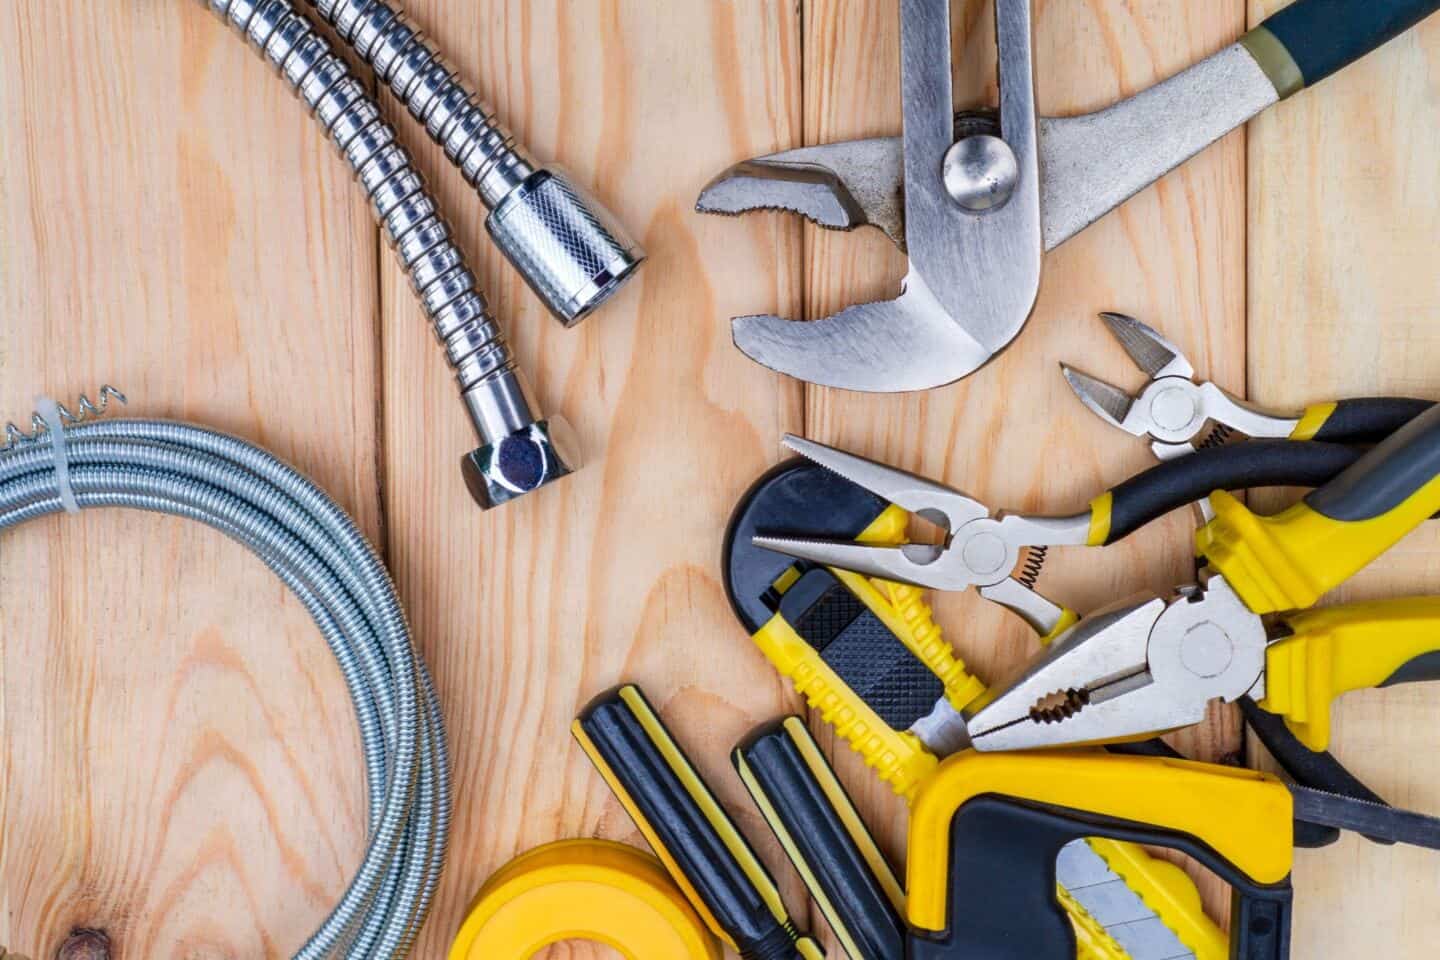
(1181,796)
(1334,650)
(591,890)
(1286,562)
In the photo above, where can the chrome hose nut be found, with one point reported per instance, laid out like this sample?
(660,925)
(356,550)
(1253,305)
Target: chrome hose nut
(525,460)
(571,251)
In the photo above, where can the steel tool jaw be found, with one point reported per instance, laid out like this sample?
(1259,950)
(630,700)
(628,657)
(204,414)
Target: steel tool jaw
(940,567)
(1146,348)
(839,186)
(1139,669)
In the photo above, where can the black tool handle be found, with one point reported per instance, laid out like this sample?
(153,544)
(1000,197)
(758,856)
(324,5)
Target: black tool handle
(1386,478)
(1002,902)
(1369,419)
(683,821)
(800,796)
(1325,36)
(1309,768)
(1233,466)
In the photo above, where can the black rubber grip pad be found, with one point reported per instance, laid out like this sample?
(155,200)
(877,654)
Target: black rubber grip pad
(1001,902)
(862,651)
(1385,476)
(1233,466)
(828,851)
(1318,770)
(1324,36)
(795,498)
(683,829)
(1418,670)
(1369,419)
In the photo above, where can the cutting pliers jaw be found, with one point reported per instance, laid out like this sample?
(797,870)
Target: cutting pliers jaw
(1174,409)
(1142,668)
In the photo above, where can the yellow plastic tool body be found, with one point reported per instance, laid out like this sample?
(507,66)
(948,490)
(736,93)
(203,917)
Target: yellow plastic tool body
(1288,561)
(590,890)
(1334,650)
(1182,796)
(1312,420)
(902,761)
(898,757)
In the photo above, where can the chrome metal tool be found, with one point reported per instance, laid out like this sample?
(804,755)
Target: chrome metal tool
(976,199)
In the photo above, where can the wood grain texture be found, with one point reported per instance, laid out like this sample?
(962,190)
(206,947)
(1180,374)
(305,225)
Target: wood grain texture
(1343,298)
(178,759)
(178,762)
(526,613)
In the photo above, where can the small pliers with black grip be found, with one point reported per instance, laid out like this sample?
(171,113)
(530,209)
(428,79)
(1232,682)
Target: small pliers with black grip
(1001,554)
(1149,665)
(1180,413)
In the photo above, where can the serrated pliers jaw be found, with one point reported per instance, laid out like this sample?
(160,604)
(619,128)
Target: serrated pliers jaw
(1174,409)
(1142,668)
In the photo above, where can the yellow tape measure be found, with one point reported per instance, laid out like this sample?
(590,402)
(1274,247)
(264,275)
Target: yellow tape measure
(591,890)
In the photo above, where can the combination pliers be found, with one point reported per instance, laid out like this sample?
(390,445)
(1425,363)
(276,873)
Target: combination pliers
(976,200)
(1244,630)
(1179,413)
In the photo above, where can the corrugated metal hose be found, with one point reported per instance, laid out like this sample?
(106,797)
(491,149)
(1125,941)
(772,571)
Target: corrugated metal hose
(317,551)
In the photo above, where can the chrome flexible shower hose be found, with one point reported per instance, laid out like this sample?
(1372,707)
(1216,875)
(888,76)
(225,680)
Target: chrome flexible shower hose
(571,250)
(496,396)
(317,551)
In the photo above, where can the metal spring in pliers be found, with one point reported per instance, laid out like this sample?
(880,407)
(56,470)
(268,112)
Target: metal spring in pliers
(1034,563)
(84,410)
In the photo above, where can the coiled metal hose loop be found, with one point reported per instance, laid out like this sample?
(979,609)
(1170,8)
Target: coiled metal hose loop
(317,551)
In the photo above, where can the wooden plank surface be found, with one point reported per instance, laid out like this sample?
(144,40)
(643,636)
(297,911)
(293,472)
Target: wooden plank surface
(176,769)
(1343,293)
(174,224)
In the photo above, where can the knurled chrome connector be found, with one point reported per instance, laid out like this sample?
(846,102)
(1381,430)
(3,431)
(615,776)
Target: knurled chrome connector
(571,251)
(520,451)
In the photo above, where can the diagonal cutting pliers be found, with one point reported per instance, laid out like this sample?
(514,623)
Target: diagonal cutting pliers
(1179,413)
(1150,665)
(976,200)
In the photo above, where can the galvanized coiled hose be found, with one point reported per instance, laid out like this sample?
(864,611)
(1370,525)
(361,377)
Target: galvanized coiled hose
(316,550)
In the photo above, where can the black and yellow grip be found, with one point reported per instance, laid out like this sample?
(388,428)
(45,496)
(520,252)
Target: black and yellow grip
(1173,484)
(1311,39)
(705,853)
(1334,650)
(823,835)
(1365,420)
(1286,562)
(986,830)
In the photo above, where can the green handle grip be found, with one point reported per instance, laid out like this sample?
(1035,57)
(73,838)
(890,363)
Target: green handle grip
(1311,39)
(1288,561)
(691,833)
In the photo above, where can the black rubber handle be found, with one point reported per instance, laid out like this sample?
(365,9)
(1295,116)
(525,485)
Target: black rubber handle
(1385,477)
(1421,669)
(1309,768)
(1369,419)
(1233,466)
(864,653)
(1002,902)
(1325,36)
(673,816)
(805,803)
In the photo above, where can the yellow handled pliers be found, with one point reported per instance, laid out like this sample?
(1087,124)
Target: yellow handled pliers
(1152,665)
